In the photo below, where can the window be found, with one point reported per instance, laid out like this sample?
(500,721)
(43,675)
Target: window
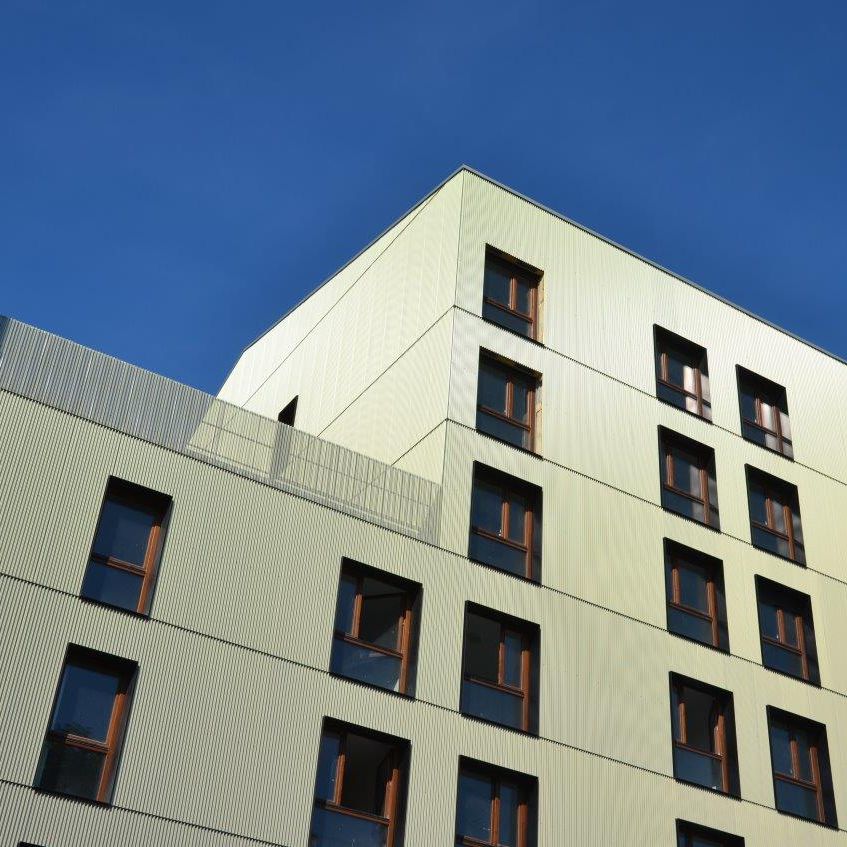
(358,788)
(288,414)
(802,780)
(682,373)
(775,516)
(703,735)
(689,486)
(692,835)
(787,630)
(500,669)
(374,638)
(494,807)
(127,546)
(695,593)
(506,396)
(764,413)
(505,523)
(85,733)
(510,294)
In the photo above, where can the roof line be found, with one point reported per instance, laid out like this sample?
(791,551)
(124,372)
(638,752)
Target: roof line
(566,219)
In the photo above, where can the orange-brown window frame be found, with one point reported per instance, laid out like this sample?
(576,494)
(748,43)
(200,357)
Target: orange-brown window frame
(391,799)
(670,441)
(122,670)
(774,489)
(763,390)
(530,500)
(404,628)
(155,504)
(677,557)
(720,743)
(517,275)
(513,375)
(527,639)
(497,778)
(666,343)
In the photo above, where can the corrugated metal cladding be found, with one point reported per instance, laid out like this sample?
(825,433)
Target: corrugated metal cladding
(233,685)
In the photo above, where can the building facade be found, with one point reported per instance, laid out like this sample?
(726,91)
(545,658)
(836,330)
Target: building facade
(503,536)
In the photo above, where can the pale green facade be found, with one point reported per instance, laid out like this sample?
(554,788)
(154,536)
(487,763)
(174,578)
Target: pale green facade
(223,734)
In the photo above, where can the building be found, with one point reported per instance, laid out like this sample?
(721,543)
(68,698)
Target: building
(504,535)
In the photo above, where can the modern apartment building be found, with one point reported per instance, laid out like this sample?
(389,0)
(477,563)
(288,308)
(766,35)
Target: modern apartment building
(503,536)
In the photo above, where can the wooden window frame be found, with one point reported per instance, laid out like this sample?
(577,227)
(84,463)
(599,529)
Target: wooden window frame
(787,600)
(719,731)
(510,487)
(497,777)
(111,748)
(529,637)
(153,503)
(764,390)
(689,831)
(774,488)
(518,272)
(676,554)
(793,723)
(705,457)
(667,342)
(403,651)
(391,799)
(514,374)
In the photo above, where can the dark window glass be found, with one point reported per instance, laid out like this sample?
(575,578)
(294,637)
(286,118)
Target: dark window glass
(689,484)
(506,401)
(695,595)
(775,516)
(787,631)
(703,735)
(83,739)
(289,413)
(682,374)
(127,545)
(692,835)
(494,807)
(764,413)
(510,294)
(801,770)
(499,674)
(358,789)
(505,523)
(374,639)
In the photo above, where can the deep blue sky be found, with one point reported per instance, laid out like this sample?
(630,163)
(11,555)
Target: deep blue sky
(173,176)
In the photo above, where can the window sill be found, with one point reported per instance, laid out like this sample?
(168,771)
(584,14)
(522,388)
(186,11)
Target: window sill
(670,511)
(144,616)
(814,821)
(720,793)
(767,449)
(690,640)
(534,341)
(792,676)
(525,450)
(685,411)
(511,574)
(524,732)
(88,801)
(372,686)
(779,556)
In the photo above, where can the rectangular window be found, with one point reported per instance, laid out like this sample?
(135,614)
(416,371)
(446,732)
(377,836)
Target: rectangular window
(692,835)
(124,559)
(689,484)
(495,807)
(682,373)
(703,725)
(510,294)
(505,523)
(85,733)
(787,631)
(374,639)
(500,669)
(695,594)
(359,788)
(505,404)
(802,778)
(775,516)
(764,413)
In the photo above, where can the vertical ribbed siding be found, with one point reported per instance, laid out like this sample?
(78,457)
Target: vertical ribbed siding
(104,390)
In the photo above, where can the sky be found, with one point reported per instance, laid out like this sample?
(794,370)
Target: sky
(175,176)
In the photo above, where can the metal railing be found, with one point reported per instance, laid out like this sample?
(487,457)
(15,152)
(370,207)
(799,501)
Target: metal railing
(107,391)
